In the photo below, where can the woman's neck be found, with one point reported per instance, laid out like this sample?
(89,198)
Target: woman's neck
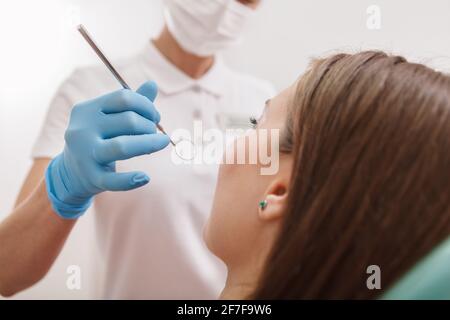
(240,284)
(237,292)
(192,65)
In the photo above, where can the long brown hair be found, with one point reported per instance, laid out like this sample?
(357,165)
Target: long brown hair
(370,135)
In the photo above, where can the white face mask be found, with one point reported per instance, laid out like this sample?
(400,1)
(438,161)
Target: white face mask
(204,27)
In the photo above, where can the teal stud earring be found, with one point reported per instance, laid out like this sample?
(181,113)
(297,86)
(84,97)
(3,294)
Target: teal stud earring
(263,204)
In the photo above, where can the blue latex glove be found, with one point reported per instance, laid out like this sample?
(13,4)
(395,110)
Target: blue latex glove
(117,126)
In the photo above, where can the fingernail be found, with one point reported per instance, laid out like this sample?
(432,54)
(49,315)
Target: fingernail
(140,179)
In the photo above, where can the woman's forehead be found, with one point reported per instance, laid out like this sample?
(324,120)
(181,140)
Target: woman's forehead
(276,108)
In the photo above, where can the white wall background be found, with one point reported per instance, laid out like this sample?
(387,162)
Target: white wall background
(39,47)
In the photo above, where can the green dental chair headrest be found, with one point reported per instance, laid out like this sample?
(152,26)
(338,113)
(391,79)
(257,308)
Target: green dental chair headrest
(428,280)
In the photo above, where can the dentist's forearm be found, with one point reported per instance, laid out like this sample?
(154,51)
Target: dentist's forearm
(31,238)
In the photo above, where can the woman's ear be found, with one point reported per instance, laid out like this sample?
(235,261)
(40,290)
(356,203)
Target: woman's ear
(273,206)
(274,202)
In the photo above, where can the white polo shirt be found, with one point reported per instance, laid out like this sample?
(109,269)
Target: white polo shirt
(151,238)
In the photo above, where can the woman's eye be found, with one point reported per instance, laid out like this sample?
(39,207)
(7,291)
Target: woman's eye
(253,122)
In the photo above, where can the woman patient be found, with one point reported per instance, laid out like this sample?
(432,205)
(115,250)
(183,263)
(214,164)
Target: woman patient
(363,179)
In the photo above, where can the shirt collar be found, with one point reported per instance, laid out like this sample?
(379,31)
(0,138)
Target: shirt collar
(171,80)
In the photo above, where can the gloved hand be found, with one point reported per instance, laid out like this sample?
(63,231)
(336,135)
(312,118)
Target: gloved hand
(117,126)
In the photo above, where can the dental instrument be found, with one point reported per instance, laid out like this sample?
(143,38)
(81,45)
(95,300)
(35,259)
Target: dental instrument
(111,68)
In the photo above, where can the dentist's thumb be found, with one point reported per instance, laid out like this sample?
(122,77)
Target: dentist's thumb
(149,89)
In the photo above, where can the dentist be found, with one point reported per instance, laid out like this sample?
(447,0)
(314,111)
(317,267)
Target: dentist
(150,239)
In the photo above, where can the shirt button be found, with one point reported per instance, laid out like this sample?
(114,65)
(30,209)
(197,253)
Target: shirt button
(196,88)
(197,114)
